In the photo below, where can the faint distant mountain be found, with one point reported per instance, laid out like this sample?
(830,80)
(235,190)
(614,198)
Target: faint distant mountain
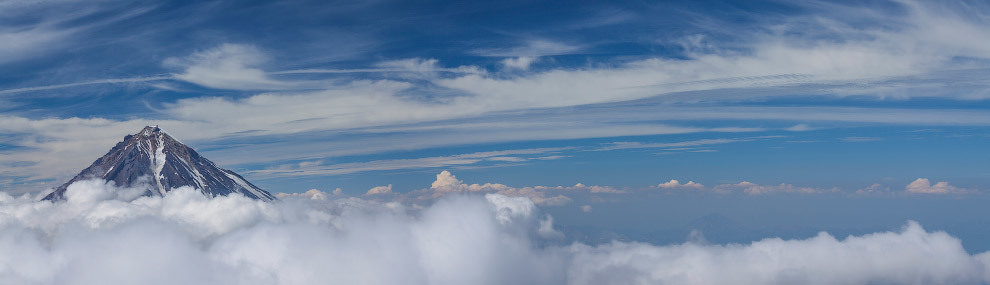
(716,228)
(715,221)
(168,163)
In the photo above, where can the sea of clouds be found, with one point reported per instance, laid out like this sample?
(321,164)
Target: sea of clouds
(105,234)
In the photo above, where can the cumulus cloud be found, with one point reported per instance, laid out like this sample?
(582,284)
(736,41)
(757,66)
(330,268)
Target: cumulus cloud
(97,237)
(673,183)
(380,190)
(923,186)
(447,183)
(313,194)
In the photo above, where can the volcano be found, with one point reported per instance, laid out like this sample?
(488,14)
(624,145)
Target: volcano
(154,160)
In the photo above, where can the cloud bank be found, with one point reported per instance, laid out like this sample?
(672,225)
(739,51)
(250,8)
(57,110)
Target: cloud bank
(99,236)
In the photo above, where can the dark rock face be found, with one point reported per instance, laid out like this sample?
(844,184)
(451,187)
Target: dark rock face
(168,163)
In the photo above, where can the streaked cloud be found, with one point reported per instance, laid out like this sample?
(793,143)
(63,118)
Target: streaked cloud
(532,47)
(315,168)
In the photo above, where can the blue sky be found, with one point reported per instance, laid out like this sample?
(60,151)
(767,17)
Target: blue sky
(836,100)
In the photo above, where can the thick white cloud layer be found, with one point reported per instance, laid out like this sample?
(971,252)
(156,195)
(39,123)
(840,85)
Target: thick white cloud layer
(101,237)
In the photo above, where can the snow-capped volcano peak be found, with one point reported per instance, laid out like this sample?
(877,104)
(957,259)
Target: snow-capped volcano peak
(152,153)
(147,131)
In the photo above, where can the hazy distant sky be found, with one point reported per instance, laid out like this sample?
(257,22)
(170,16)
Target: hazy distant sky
(832,102)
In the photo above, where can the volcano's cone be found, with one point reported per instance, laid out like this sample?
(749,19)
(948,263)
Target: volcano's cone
(153,154)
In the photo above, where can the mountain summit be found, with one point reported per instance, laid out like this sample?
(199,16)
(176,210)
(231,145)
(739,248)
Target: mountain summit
(170,164)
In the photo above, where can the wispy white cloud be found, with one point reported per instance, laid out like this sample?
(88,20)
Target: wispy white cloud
(532,47)
(228,66)
(874,189)
(771,60)
(34,29)
(84,83)
(20,44)
(702,142)
(62,146)
(520,63)
(410,65)
(312,169)
(800,128)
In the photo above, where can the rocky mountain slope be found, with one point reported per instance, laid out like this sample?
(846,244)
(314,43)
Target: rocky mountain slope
(156,161)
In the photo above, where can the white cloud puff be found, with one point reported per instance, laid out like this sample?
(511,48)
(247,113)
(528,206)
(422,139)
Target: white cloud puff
(380,190)
(543,195)
(313,194)
(922,185)
(673,183)
(95,238)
